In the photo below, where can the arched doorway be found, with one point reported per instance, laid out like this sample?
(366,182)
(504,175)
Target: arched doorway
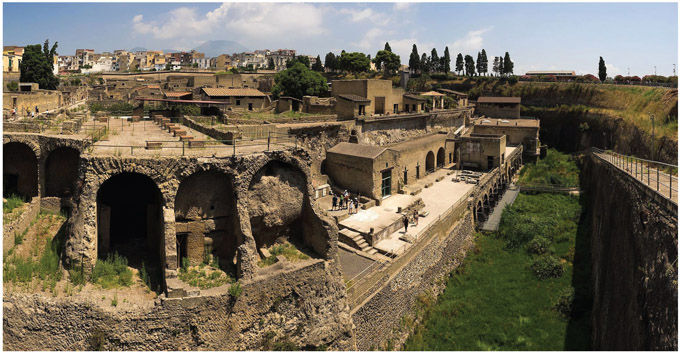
(130,223)
(61,172)
(430,162)
(480,211)
(279,209)
(20,171)
(441,158)
(206,220)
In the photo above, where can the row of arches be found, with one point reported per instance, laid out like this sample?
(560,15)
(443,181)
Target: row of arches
(491,197)
(22,171)
(432,163)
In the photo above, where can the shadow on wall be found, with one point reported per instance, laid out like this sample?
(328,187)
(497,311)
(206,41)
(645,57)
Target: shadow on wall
(20,171)
(280,210)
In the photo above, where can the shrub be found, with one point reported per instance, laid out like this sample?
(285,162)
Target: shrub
(12,202)
(539,245)
(547,266)
(12,86)
(235,290)
(112,272)
(565,301)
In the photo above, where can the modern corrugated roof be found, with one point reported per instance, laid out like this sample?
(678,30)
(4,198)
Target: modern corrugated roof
(222,92)
(499,99)
(365,151)
(354,98)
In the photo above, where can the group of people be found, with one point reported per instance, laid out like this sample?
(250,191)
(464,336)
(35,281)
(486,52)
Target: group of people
(415,219)
(344,201)
(29,112)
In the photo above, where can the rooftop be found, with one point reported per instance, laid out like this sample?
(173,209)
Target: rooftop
(414,143)
(354,98)
(453,92)
(431,93)
(534,123)
(499,100)
(224,92)
(176,94)
(415,97)
(366,151)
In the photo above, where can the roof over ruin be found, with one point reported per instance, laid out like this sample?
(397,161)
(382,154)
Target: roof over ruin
(453,92)
(416,98)
(534,123)
(499,100)
(176,94)
(226,92)
(350,149)
(431,93)
(354,98)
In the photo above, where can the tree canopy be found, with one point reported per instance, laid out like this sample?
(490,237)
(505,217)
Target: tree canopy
(388,61)
(459,63)
(299,59)
(508,64)
(317,66)
(434,61)
(470,65)
(331,62)
(483,62)
(354,62)
(298,81)
(602,71)
(37,65)
(446,60)
(414,60)
(387,47)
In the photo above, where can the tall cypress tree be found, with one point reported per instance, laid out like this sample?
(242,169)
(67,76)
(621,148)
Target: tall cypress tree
(387,47)
(602,71)
(478,62)
(330,62)
(434,60)
(470,65)
(483,64)
(37,65)
(459,63)
(317,66)
(502,71)
(424,63)
(446,63)
(508,64)
(414,61)
(495,65)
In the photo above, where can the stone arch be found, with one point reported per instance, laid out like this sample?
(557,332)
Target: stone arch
(486,204)
(441,157)
(279,209)
(20,170)
(430,161)
(480,211)
(61,171)
(130,222)
(206,219)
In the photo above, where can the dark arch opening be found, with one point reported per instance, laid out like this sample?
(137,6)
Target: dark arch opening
(206,220)
(480,211)
(130,223)
(61,172)
(441,157)
(430,161)
(20,171)
(279,209)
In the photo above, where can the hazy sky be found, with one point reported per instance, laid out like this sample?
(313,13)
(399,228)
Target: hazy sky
(558,36)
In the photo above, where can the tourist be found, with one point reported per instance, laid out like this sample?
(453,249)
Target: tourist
(356,205)
(416,218)
(405,221)
(350,207)
(340,202)
(334,202)
(36,110)
(346,197)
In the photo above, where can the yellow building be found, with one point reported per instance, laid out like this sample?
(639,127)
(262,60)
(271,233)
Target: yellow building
(11,58)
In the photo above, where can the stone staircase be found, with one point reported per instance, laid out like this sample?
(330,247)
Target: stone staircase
(355,239)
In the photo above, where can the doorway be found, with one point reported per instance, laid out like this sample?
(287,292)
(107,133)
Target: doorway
(386,181)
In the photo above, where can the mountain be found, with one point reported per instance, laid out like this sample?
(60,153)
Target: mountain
(138,49)
(215,48)
(170,51)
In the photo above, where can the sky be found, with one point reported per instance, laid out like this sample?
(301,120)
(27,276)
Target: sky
(631,37)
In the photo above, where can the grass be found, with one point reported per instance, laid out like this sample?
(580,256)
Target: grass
(10,205)
(495,302)
(112,272)
(556,168)
(203,276)
(286,249)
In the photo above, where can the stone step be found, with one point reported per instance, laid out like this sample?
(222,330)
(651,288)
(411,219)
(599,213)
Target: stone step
(349,233)
(362,244)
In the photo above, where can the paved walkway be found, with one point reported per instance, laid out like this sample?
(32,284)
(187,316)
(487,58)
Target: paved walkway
(438,198)
(352,264)
(649,176)
(492,223)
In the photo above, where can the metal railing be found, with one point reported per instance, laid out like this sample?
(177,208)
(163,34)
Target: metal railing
(651,173)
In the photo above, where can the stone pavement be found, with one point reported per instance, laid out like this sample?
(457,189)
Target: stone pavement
(352,264)
(492,223)
(438,198)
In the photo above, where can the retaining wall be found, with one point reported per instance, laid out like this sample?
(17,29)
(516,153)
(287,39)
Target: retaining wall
(20,224)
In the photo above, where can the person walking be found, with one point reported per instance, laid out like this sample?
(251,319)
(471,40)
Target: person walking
(356,205)
(350,205)
(405,221)
(340,202)
(347,199)
(334,202)
(416,217)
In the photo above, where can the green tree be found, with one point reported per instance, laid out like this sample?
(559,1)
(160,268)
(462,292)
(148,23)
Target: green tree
(37,65)
(330,62)
(299,59)
(501,66)
(459,63)
(434,61)
(317,66)
(388,61)
(424,63)
(508,64)
(470,65)
(478,62)
(298,81)
(495,65)
(602,71)
(169,67)
(387,47)
(270,64)
(483,62)
(12,86)
(446,61)
(354,62)
(414,61)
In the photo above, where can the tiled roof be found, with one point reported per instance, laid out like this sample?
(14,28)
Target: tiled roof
(222,92)
(431,93)
(366,151)
(354,98)
(498,99)
(452,92)
(176,94)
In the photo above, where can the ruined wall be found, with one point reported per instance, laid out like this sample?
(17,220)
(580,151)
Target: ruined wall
(377,320)
(634,251)
(44,99)
(306,305)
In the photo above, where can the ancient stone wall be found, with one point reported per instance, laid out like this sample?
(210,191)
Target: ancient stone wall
(634,253)
(20,224)
(304,305)
(377,320)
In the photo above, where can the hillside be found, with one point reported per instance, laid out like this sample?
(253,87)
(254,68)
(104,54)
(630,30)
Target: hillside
(217,47)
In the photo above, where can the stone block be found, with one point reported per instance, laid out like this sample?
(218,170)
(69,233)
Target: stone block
(179,131)
(186,137)
(153,145)
(264,253)
(196,144)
